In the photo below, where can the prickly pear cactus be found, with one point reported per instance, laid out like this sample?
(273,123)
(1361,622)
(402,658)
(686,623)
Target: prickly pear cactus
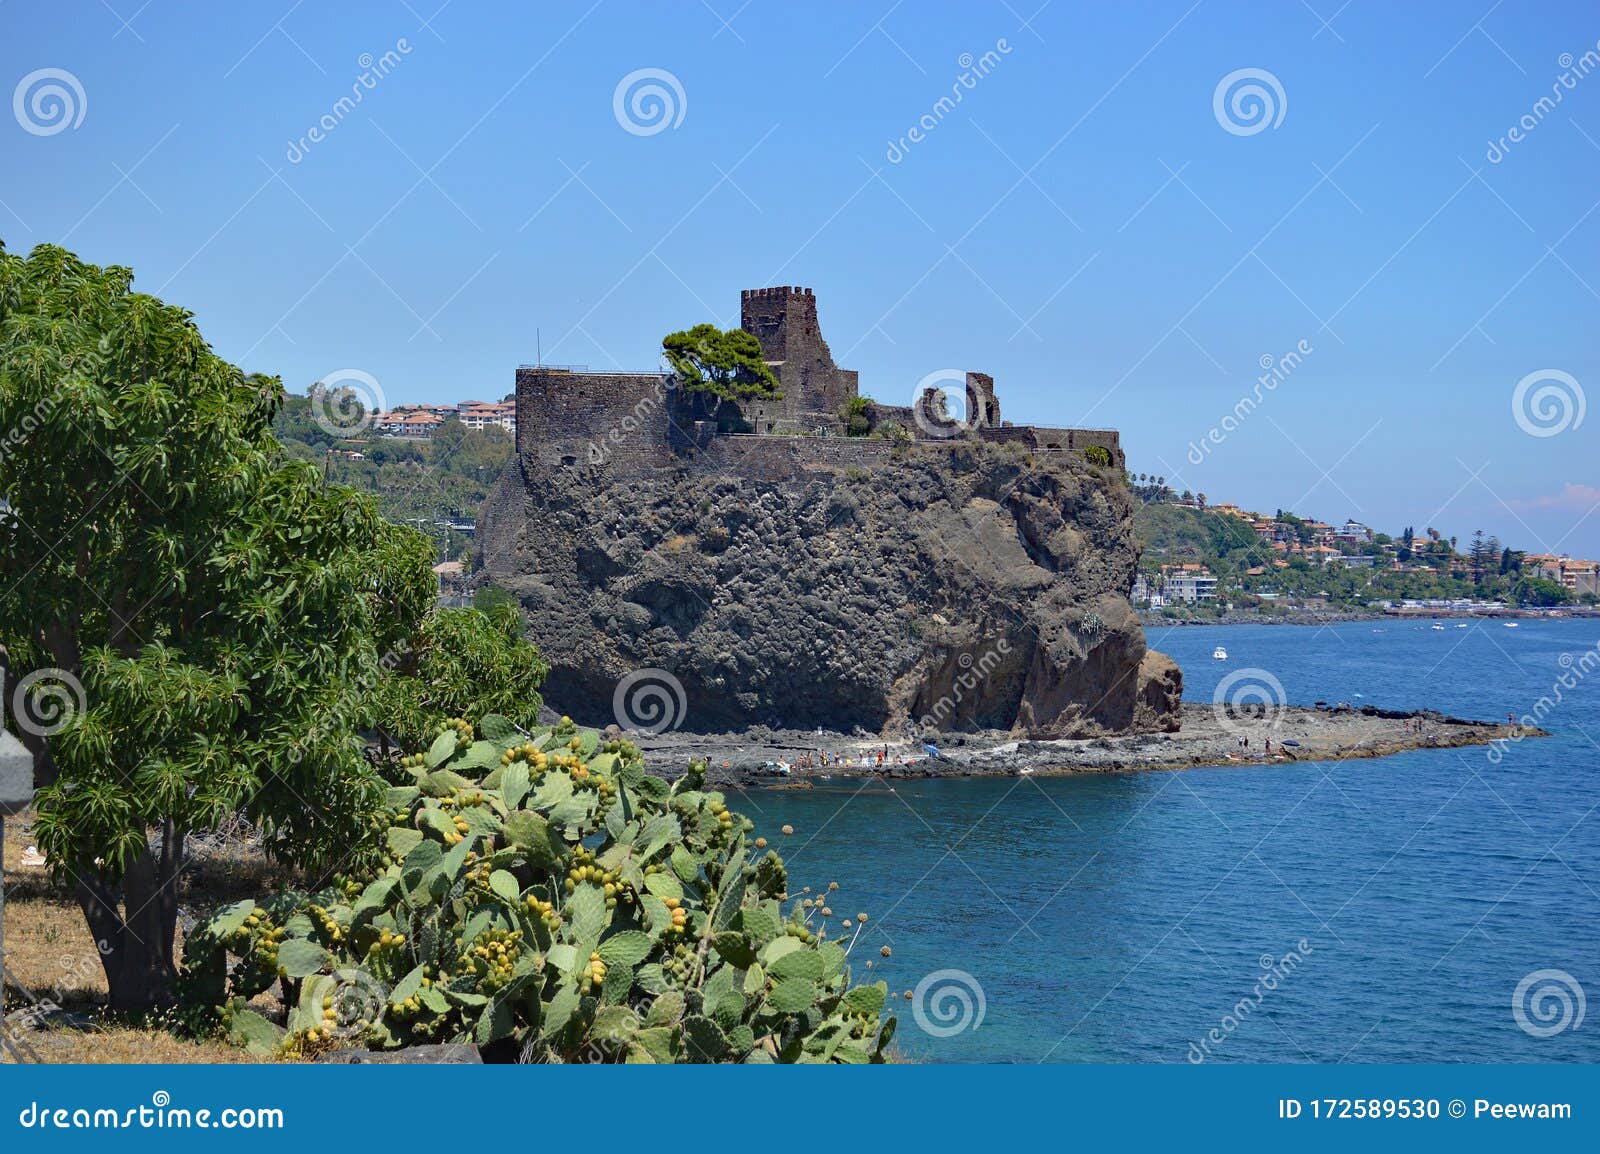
(540,886)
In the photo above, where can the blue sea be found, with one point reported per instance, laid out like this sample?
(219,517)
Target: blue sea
(1433,906)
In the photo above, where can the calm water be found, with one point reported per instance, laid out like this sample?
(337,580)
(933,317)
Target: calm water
(1123,918)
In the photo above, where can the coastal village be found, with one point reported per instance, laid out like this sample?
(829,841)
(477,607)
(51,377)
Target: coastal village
(1287,563)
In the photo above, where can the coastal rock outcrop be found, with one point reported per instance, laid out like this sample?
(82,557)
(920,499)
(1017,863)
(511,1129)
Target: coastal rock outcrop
(799,582)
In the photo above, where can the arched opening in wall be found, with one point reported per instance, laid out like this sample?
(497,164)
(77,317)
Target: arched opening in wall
(769,426)
(568,460)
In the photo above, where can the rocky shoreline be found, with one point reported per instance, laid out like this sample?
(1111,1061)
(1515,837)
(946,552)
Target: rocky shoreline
(761,758)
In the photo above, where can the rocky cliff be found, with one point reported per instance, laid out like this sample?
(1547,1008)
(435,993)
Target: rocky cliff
(951,587)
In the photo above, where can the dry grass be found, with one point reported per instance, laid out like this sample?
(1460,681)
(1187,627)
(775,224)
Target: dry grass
(117,1045)
(50,953)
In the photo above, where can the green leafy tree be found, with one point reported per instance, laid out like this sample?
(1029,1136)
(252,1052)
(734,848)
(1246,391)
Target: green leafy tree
(489,597)
(1538,591)
(725,364)
(856,417)
(214,607)
(465,663)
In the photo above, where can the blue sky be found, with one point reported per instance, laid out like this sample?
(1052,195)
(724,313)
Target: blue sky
(1084,225)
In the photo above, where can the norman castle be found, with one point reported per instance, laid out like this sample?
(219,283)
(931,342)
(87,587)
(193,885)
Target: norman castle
(567,417)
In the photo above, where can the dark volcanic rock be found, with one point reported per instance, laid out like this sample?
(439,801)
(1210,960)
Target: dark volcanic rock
(447,1054)
(950,587)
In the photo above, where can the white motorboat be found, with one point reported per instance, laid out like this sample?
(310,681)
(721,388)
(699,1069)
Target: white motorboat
(1219,654)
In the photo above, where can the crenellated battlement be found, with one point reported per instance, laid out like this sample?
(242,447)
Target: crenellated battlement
(780,293)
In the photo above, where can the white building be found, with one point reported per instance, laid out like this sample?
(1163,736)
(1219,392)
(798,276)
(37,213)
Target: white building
(1191,584)
(1354,532)
(481,415)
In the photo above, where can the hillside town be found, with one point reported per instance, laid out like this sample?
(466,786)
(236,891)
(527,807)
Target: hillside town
(1217,558)
(422,421)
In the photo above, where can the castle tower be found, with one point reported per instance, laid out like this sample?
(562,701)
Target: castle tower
(784,320)
(983,407)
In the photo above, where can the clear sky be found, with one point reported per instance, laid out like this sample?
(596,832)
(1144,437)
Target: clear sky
(1092,223)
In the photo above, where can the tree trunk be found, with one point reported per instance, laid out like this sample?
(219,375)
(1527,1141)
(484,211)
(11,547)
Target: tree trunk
(136,942)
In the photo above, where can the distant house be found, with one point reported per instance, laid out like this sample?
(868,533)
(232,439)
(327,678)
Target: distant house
(482,415)
(1355,533)
(424,420)
(1576,577)
(411,421)
(1189,583)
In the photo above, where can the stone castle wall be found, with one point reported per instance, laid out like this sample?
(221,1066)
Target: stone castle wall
(593,418)
(762,458)
(634,423)
(1047,438)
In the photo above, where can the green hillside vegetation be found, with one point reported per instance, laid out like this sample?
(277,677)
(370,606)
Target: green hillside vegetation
(414,482)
